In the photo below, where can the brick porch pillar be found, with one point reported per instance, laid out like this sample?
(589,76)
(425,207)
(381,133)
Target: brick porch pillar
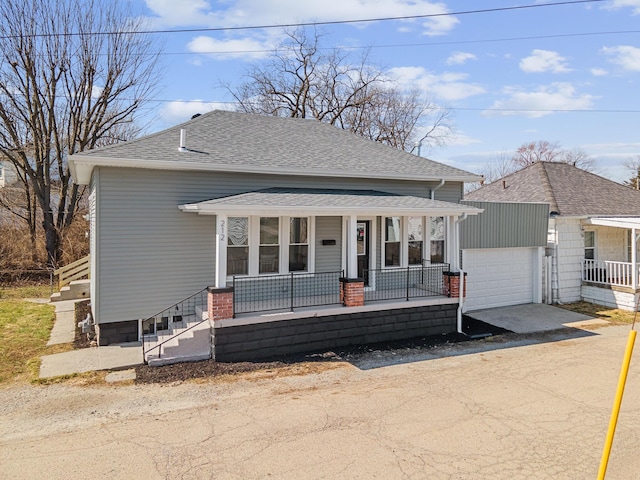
(451,286)
(220,303)
(352,292)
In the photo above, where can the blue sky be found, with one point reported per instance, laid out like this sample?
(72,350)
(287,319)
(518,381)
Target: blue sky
(566,73)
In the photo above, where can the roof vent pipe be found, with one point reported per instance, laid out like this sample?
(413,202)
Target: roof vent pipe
(183,140)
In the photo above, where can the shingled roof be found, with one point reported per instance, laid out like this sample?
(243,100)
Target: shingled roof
(242,142)
(570,191)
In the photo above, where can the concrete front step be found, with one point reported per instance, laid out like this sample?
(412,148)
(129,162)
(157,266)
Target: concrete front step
(154,361)
(76,290)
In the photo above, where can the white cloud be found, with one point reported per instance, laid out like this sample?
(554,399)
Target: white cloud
(169,13)
(626,56)
(544,61)
(599,72)
(445,87)
(541,102)
(230,49)
(181,111)
(459,58)
(618,4)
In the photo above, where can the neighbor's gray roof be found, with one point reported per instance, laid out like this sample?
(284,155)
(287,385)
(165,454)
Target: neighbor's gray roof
(327,202)
(569,191)
(242,142)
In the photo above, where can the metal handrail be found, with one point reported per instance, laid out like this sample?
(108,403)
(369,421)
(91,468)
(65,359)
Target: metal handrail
(181,302)
(144,353)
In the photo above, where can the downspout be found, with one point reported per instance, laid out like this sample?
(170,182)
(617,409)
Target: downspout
(457,223)
(433,190)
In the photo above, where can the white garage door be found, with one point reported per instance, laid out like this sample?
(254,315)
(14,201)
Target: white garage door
(497,277)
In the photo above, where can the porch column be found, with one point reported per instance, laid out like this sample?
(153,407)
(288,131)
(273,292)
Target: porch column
(221,251)
(451,243)
(634,259)
(352,246)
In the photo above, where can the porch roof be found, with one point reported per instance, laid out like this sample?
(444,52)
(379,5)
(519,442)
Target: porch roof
(618,222)
(298,201)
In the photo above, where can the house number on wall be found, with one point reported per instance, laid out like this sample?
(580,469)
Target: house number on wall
(222,232)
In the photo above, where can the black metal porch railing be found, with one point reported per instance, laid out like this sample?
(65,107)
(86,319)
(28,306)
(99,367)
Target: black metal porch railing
(405,282)
(158,329)
(285,292)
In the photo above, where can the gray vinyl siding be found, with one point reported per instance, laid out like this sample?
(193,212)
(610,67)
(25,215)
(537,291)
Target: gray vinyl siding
(150,255)
(328,257)
(505,225)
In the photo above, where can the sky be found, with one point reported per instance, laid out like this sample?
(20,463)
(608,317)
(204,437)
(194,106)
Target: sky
(560,73)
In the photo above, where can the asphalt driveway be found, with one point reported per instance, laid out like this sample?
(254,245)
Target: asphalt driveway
(533,406)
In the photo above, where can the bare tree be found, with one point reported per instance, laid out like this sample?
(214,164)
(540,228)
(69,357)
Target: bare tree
(302,80)
(544,151)
(633,166)
(71,73)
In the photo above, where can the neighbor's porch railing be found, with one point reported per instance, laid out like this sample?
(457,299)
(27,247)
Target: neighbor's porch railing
(74,271)
(405,282)
(610,273)
(285,292)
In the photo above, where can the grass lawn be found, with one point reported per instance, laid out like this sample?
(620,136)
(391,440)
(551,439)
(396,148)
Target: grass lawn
(24,332)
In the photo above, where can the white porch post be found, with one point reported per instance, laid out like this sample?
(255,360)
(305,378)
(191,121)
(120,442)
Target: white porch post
(221,250)
(352,246)
(634,258)
(451,246)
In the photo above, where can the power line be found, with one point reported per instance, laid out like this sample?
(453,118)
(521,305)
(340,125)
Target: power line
(309,24)
(429,44)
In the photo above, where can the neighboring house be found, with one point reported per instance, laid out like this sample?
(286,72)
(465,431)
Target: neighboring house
(593,231)
(308,236)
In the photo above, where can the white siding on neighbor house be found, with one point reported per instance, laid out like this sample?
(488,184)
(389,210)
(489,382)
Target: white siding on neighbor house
(498,277)
(570,253)
(611,243)
(149,254)
(93,244)
(609,297)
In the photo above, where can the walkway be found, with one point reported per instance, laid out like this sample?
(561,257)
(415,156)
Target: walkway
(112,357)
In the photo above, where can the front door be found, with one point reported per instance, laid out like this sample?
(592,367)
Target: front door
(364,249)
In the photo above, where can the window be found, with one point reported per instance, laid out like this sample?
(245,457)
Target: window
(238,246)
(269,245)
(589,245)
(392,241)
(298,244)
(269,255)
(436,229)
(415,240)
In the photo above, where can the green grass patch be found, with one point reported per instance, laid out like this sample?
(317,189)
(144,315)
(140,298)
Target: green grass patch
(30,291)
(613,315)
(24,332)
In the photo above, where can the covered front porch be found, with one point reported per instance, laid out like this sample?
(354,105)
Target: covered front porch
(284,248)
(610,271)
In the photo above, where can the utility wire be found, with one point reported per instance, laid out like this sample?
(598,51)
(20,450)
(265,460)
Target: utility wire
(307,24)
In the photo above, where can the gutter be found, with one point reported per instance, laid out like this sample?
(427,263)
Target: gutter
(433,190)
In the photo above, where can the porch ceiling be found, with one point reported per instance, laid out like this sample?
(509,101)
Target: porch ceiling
(618,222)
(298,201)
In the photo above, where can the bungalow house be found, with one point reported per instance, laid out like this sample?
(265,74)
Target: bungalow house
(593,229)
(283,234)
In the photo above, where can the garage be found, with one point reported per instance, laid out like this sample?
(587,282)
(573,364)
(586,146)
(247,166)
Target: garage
(500,276)
(502,254)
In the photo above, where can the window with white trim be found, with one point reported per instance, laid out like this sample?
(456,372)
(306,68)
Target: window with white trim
(392,240)
(268,245)
(590,245)
(269,252)
(238,246)
(436,229)
(298,244)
